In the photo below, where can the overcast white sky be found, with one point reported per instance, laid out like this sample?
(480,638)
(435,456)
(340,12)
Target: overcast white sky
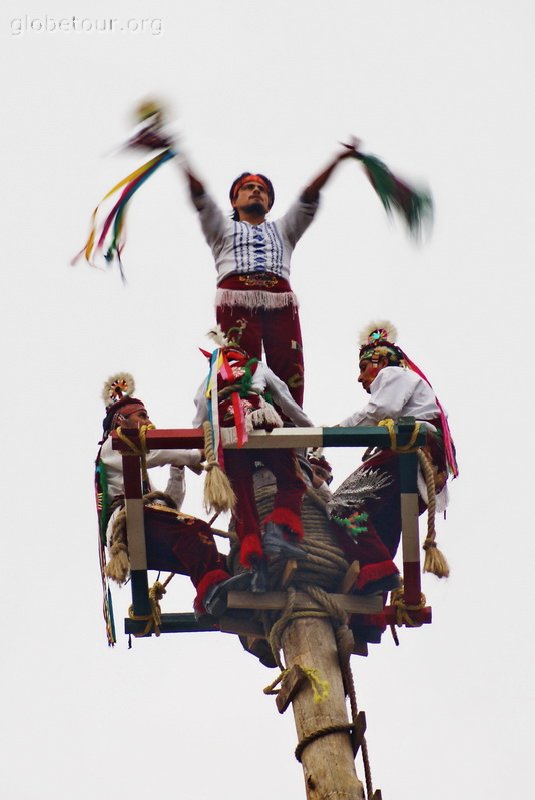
(443,93)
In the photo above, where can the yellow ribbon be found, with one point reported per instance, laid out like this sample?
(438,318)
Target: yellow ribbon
(88,247)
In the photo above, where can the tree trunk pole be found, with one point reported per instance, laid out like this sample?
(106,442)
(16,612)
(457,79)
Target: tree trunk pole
(328,762)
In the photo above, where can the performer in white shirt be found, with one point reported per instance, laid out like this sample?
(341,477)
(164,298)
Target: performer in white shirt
(397,388)
(253,260)
(174,542)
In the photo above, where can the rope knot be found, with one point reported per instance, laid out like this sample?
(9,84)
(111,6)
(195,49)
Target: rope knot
(402,608)
(390,425)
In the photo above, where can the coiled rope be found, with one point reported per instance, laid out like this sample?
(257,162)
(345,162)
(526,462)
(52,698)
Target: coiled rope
(321,573)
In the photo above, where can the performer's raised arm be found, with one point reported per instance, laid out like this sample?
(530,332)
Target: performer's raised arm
(196,187)
(311,193)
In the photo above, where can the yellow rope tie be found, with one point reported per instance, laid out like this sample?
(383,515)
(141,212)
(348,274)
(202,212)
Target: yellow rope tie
(403,617)
(154,619)
(390,425)
(320,687)
(140,451)
(148,618)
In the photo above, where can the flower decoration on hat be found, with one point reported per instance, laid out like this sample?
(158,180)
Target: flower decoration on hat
(377,340)
(117,394)
(117,387)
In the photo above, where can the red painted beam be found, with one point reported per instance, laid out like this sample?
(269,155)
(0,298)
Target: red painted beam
(421,617)
(164,439)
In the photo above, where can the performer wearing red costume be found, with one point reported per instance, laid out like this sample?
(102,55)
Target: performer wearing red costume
(239,392)
(175,542)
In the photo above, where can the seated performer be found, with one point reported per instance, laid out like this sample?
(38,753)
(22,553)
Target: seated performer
(242,384)
(174,542)
(397,388)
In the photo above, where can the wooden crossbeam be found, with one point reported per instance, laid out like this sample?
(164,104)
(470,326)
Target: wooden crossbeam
(172,623)
(272,601)
(291,684)
(359,731)
(279,438)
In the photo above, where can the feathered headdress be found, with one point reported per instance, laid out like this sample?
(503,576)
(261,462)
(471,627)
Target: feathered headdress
(116,387)
(378,339)
(118,397)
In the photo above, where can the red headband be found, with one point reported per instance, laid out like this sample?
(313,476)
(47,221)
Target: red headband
(249,179)
(130,407)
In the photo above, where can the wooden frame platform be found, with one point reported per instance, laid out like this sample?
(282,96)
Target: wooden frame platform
(279,438)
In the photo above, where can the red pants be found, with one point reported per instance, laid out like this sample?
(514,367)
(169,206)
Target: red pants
(277,329)
(369,550)
(186,546)
(239,466)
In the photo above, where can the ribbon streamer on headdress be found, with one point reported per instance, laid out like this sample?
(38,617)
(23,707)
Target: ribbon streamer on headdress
(219,365)
(213,406)
(237,408)
(101,492)
(396,195)
(448,441)
(116,218)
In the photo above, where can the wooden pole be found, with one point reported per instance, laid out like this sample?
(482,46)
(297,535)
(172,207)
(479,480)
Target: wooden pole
(328,762)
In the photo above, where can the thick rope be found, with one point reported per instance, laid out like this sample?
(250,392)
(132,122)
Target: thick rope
(140,451)
(154,619)
(435,561)
(218,493)
(329,608)
(397,599)
(306,740)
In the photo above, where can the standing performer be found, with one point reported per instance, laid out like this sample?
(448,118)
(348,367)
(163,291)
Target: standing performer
(253,261)
(237,399)
(397,388)
(252,256)
(175,542)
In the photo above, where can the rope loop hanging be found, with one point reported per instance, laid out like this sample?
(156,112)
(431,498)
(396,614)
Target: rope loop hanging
(140,451)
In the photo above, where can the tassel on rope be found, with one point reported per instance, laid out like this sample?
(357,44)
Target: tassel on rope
(435,561)
(411,204)
(108,238)
(218,493)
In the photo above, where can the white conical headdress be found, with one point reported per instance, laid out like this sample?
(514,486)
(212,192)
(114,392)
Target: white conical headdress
(116,387)
(378,330)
